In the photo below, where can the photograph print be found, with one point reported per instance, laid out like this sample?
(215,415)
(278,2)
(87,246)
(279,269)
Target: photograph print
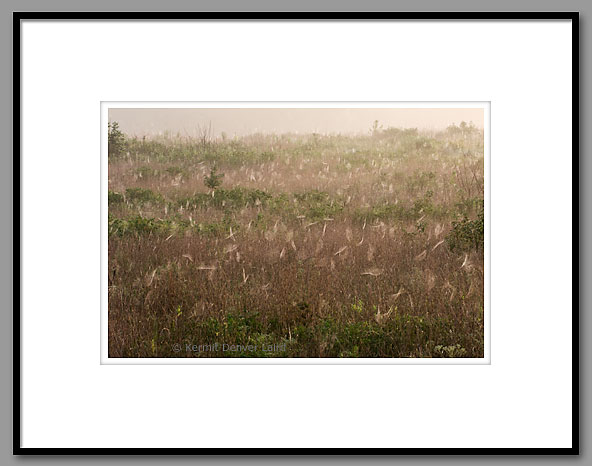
(319,232)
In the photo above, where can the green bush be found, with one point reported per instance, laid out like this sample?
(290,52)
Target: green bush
(235,198)
(116,141)
(176,171)
(316,205)
(135,225)
(214,179)
(140,226)
(467,234)
(380,212)
(115,198)
(141,195)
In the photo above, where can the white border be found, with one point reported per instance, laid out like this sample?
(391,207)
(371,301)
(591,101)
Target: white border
(105,359)
(522,399)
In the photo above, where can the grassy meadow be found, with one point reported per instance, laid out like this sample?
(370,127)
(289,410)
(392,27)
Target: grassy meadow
(292,245)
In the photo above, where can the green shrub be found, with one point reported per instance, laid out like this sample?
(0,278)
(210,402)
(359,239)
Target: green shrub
(116,140)
(316,205)
(115,198)
(214,179)
(139,226)
(176,171)
(141,195)
(424,205)
(381,212)
(467,234)
(235,198)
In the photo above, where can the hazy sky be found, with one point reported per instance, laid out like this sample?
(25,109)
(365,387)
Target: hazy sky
(241,121)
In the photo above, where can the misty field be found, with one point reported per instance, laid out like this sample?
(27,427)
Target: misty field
(296,245)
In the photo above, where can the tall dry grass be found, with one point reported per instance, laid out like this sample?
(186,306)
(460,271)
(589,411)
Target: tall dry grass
(316,246)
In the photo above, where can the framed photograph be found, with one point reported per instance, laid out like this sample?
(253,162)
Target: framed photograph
(295,233)
(353,233)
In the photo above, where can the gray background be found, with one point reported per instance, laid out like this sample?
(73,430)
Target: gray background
(6,199)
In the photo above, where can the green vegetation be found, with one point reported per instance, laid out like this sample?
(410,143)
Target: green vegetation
(214,179)
(141,196)
(404,336)
(116,140)
(115,198)
(468,234)
(227,199)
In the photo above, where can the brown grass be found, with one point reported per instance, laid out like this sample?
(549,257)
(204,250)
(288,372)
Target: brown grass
(348,257)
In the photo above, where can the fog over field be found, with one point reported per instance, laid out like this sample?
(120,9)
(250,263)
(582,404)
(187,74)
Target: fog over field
(296,233)
(244,121)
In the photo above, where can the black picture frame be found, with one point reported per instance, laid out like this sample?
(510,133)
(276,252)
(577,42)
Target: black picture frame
(18,17)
